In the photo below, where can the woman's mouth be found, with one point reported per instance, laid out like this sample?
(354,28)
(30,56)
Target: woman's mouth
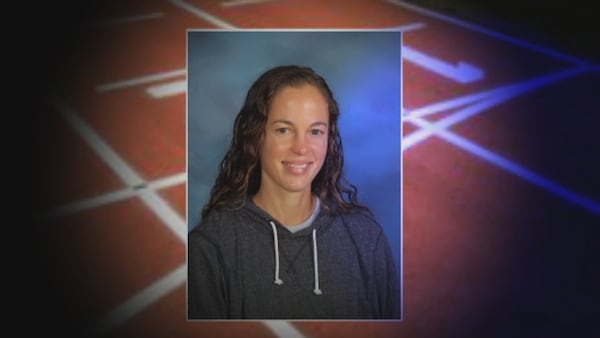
(296,167)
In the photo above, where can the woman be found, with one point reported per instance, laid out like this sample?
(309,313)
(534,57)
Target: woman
(283,235)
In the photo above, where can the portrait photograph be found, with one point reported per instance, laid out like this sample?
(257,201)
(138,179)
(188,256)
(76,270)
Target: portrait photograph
(294,174)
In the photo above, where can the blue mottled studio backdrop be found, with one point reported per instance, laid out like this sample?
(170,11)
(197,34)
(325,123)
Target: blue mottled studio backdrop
(363,69)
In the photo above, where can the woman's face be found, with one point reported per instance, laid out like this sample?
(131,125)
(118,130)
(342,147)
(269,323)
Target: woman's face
(295,140)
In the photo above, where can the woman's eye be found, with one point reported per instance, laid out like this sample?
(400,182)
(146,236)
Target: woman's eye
(282,130)
(317,132)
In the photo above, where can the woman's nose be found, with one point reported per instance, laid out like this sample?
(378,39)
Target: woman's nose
(299,145)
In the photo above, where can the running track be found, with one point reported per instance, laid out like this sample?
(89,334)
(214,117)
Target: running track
(501,206)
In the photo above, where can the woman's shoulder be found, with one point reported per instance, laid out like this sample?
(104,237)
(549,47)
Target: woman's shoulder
(361,215)
(360,220)
(361,225)
(217,223)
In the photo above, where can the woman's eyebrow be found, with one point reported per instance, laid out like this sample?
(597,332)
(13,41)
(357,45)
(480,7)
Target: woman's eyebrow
(314,124)
(319,123)
(283,121)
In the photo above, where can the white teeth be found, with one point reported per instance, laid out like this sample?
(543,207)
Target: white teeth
(299,166)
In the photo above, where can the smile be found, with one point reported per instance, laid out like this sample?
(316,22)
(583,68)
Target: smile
(296,165)
(299,166)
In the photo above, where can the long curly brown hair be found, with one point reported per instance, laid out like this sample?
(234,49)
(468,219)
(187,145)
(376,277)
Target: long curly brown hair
(240,170)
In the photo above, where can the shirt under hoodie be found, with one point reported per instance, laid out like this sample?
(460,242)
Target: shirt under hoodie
(243,264)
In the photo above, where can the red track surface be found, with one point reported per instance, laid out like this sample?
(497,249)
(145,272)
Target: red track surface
(463,216)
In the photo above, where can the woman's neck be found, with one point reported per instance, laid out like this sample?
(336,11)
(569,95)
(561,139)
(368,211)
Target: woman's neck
(287,208)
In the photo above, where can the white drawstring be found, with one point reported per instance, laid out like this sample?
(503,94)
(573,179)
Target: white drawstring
(277,280)
(317,290)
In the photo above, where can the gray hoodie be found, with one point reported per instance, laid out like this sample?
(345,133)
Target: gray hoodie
(242,263)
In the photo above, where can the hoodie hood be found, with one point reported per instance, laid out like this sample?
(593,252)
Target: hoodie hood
(263,219)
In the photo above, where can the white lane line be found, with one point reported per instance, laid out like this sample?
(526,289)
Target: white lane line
(202,14)
(406,28)
(129,19)
(500,36)
(514,168)
(168,89)
(166,213)
(438,107)
(159,206)
(462,72)
(140,301)
(283,329)
(485,101)
(91,203)
(515,88)
(422,134)
(140,80)
(169,181)
(115,196)
(236,3)
(110,157)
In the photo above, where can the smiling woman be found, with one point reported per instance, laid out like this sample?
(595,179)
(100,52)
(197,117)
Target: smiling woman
(277,227)
(293,151)
(256,253)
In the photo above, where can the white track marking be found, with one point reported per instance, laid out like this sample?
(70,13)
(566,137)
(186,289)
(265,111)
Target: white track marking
(406,28)
(110,157)
(202,14)
(490,99)
(462,72)
(140,301)
(486,101)
(166,213)
(115,196)
(512,167)
(160,207)
(90,203)
(515,88)
(283,329)
(237,3)
(130,19)
(140,80)
(169,181)
(168,89)
(480,29)
(437,107)
(422,134)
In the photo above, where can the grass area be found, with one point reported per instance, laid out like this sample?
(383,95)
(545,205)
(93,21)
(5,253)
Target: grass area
(568,26)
